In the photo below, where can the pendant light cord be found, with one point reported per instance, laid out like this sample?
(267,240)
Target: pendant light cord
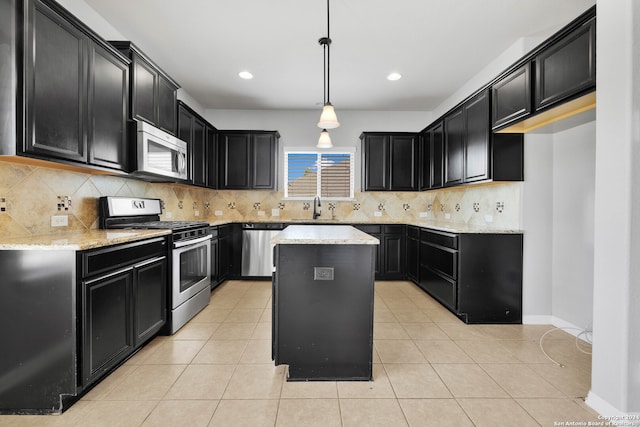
(328,47)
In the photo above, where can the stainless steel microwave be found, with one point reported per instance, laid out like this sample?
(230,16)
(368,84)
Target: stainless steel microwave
(159,155)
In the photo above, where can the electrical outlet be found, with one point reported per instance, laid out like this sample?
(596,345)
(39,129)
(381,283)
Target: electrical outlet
(488,218)
(196,213)
(424,214)
(218,213)
(447,216)
(168,215)
(260,213)
(377,213)
(59,220)
(275,212)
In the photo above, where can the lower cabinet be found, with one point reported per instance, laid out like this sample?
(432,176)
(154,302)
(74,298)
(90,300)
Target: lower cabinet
(476,276)
(123,296)
(413,252)
(390,255)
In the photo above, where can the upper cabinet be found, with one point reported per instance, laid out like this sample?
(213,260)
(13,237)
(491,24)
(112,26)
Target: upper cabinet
(153,92)
(472,153)
(567,67)
(75,91)
(512,97)
(201,145)
(248,160)
(554,81)
(390,161)
(432,157)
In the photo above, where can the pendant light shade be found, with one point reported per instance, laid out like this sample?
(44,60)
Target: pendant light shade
(325,140)
(328,118)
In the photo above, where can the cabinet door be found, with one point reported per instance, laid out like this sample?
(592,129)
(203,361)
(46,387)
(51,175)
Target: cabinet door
(511,97)
(424,141)
(166,105)
(150,298)
(108,98)
(403,161)
(198,155)
(477,155)
(566,68)
(394,256)
(412,258)
(107,323)
(145,81)
(437,155)
(224,256)
(454,148)
(235,161)
(212,158)
(263,173)
(375,170)
(55,86)
(215,270)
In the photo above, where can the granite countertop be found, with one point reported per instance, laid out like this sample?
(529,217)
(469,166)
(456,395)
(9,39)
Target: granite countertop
(426,223)
(319,235)
(79,241)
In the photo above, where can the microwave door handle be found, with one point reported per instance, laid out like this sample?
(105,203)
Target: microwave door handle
(181,162)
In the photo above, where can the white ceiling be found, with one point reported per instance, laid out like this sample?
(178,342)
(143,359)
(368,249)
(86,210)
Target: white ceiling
(437,45)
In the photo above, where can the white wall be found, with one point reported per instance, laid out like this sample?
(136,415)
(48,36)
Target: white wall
(615,380)
(537,223)
(299,129)
(573,190)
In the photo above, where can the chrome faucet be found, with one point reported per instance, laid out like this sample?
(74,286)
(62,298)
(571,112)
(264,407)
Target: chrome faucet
(317,207)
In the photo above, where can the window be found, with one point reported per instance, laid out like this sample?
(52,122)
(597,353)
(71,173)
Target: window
(327,174)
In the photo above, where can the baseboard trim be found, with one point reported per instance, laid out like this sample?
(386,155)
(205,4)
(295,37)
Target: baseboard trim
(555,321)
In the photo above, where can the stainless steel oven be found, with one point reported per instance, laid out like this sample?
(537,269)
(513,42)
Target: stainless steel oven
(190,279)
(190,258)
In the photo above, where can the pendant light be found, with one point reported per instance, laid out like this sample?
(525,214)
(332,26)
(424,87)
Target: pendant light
(328,118)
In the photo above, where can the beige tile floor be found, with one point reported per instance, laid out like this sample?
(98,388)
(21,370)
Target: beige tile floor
(430,369)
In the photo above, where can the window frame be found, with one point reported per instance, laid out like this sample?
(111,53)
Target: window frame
(351,151)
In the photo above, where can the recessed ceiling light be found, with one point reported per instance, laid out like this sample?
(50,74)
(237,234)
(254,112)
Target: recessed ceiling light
(394,76)
(245,75)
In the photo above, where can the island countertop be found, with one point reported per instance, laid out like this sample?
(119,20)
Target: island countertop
(323,235)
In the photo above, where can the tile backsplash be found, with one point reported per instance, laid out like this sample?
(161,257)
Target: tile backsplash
(31,195)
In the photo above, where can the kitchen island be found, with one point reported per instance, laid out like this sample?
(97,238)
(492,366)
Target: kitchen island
(323,288)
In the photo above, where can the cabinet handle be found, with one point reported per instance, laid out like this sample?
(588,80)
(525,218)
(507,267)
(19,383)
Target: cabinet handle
(149,261)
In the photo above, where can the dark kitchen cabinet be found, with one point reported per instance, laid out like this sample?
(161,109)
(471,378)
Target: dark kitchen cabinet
(150,297)
(454,148)
(511,97)
(413,252)
(76,91)
(230,251)
(566,68)
(477,144)
(390,255)
(192,129)
(248,160)
(476,276)
(153,93)
(390,161)
(123,294)
(215,256)
(108,323)
(432,157)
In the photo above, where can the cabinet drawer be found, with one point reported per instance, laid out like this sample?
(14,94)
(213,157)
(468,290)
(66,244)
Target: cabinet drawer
(441,288)
(114,257)
(441,238)
(369,229)
(214,232)
(394,229)
(442,260)
(413,232)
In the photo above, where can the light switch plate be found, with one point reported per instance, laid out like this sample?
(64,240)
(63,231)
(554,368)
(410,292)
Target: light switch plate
(218,213)
(424,214)
(260,213)
(378,213)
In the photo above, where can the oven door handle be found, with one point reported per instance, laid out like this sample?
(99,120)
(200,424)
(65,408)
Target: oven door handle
(191,242)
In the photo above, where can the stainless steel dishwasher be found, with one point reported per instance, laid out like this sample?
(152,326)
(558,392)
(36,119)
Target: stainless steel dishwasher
(257,250)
